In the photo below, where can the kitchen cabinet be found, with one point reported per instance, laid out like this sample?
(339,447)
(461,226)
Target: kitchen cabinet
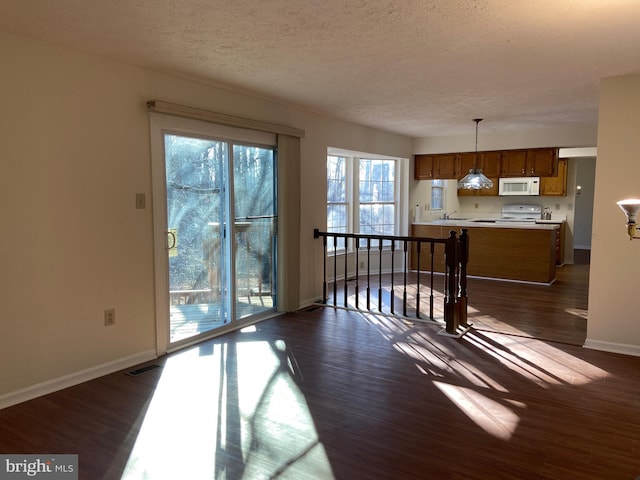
(542,162)
(446,166)
(489,162)
(535,162)
(525,254)
(560,236)
(555,186)
(466,162)
(423,167)
(442,166)
(514,163)
(490,192)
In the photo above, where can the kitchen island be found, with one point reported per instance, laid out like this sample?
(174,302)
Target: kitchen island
(519,252)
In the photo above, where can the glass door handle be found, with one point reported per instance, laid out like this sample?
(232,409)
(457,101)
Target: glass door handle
(171,240)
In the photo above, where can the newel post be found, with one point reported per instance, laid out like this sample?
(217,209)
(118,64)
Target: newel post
(463,259)
(451,289)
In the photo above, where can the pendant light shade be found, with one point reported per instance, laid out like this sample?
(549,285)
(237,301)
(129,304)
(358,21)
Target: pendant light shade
(475,179)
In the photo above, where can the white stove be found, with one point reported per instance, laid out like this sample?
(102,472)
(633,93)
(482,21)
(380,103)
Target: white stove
(520,213)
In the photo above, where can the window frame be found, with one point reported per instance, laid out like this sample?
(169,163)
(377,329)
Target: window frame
(348,201)
(441,186)
(352,188)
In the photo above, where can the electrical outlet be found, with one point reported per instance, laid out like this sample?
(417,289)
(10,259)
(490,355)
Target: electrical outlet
(141,201)
(110,317)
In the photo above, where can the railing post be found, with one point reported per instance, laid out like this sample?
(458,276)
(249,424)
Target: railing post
(431,299)
(357,248)
(463,259)
(379,275)
(393,271)
(418,248)
(451,261)
(346,288)
(335,270)
(368,273)
(404,289)
(316,234)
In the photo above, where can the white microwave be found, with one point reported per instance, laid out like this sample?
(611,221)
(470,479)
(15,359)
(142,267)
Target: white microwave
(519,186)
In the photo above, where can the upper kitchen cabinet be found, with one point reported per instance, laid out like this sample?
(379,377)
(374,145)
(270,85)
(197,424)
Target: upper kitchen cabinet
(489,162)
(442,166)
(533,162)
(542,162)
(514,163)
(466,161)
(537,162)
(446,166)
(555,186)
(424,167)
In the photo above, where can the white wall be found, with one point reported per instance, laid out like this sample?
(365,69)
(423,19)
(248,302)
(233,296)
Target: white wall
(570,136)
(614,321)
(75,150)
(585,177)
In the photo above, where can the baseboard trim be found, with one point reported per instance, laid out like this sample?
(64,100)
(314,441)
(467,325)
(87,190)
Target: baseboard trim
(612,347)
(50,386)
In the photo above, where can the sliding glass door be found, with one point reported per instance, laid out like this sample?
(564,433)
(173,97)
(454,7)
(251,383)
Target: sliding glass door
(255,222)
(219,233)
(196,218)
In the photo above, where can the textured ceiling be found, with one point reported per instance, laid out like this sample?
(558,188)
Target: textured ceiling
(416,67)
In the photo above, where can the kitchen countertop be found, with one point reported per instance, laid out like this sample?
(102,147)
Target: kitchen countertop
(539,225)
(557,222)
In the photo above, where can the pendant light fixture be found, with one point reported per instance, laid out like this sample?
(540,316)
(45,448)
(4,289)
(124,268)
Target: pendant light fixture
(475,179)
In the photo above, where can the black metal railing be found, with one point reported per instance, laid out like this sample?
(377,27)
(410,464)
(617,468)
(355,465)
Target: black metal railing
(449,261)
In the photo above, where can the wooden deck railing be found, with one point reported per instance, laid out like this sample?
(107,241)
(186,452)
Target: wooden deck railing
(388,247)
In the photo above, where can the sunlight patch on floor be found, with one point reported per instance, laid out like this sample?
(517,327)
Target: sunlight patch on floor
(483,400)
(249,420)
(495,418)
(578,312)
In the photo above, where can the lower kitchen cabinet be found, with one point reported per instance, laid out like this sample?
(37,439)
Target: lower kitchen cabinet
(560,243)
(510,253)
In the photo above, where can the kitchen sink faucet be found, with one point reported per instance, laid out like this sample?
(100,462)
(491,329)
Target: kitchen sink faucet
(447,216)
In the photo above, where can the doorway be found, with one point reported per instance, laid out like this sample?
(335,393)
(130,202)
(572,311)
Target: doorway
(215,230)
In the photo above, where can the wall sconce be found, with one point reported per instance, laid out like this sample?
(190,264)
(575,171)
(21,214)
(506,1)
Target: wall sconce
(630,207)
(578,189)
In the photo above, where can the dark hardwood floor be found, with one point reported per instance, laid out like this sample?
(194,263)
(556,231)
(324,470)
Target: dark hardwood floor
(556,312)
(327,393)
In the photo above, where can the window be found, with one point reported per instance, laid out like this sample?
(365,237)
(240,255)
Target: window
(437,194)
(362,196)
(337,205)
(377,197)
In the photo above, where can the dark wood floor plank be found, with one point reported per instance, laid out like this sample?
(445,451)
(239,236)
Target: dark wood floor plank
(375,397)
